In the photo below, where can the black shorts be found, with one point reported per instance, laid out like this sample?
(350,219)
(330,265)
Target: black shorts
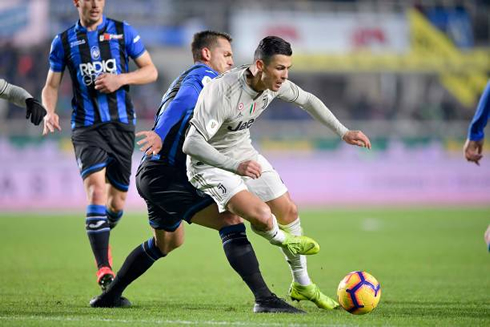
(105,146)
(169,196)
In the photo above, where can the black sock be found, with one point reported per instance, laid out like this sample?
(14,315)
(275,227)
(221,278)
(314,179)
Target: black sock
(113,217)
(241,256)
(136,263)
(98,232)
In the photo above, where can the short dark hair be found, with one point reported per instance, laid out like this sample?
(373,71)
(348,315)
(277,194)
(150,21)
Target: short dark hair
(270,46)
(206,39)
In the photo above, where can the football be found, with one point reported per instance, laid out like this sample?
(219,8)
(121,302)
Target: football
(359,292)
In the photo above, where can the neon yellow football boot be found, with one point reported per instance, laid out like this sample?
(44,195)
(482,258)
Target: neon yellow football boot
(311,293)
(300,245)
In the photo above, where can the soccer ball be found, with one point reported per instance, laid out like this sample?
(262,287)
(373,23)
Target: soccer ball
(359,292)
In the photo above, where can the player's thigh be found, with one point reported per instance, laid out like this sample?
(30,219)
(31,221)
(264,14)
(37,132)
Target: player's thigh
(219,184)
(269,185)
(91,151)
(248,206)
(284,209)
(121,147)
(167,241)
(210,217)
(94,185)
(170,198)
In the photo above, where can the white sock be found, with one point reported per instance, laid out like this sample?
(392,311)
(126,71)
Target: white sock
(297,263)
(275,235)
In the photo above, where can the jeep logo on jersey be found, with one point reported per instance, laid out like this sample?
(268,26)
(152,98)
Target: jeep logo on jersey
(242,125)
(91,70)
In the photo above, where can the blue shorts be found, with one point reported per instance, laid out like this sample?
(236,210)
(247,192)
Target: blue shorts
(169,196)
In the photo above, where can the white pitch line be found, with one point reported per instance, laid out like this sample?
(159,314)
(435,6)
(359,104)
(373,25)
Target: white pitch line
(157,321)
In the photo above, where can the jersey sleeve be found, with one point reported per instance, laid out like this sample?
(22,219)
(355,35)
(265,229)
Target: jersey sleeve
(479,121)
(211,111)
(183,103)
(133,42)
(289,92)
(57,56)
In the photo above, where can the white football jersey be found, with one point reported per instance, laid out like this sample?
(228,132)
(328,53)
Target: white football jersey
(227,107)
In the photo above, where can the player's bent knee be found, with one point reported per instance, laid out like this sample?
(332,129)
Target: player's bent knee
(96,194)
(230,219)
(168,241)
(262,217)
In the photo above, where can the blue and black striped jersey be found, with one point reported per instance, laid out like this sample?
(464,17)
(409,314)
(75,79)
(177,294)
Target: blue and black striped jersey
(176,110)
(475,131)
(89,54)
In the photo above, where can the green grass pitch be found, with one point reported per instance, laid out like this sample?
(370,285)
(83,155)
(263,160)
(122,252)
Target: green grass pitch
(432,264)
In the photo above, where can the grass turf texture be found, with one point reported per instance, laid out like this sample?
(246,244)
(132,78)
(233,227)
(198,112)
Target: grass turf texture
(432,264)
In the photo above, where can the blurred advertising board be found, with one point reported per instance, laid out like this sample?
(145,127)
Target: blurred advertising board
(322,32)
(24,23)
(46,177)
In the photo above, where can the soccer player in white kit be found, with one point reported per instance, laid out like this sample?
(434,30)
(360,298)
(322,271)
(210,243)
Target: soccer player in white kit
(223,163)
(20,97)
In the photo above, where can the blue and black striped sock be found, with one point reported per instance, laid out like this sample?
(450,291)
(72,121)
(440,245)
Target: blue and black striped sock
(98,232)
(241,256)
(113,217)
(137,262)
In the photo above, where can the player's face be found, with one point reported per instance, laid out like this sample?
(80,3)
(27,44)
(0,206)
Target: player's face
(90,11)
(276,72)
(221,56)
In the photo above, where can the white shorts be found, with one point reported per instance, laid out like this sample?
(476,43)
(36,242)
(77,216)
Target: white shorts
(222,185)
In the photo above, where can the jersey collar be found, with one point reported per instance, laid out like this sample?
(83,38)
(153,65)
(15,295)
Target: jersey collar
(100,27)
(246,87)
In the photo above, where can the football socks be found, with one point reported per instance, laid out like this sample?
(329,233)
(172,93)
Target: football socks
(98,232)
(241,256)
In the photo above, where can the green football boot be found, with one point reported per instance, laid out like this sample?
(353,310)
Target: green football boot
(300,245)
(312,293)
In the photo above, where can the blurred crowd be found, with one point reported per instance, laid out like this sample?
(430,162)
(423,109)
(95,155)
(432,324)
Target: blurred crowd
(396,96)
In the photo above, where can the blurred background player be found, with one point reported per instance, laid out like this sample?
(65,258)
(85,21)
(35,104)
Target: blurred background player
(20,97)
(476,136)
(96,51)
(170,198)
(225,165)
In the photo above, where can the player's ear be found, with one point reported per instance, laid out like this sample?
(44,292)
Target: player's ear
(76,3)
(260,65)
(206,54)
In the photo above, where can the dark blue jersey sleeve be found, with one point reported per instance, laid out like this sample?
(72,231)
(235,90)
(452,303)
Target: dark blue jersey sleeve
(184,101)
(475,132)
(133,42)
(56,56)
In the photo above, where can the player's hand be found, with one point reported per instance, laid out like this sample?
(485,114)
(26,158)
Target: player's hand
(472,151)
(35,110)
(51,121)
(249,168)
(357,138)
(108,83)
(151,143)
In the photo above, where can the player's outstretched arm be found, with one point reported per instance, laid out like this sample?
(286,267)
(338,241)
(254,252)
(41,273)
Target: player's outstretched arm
(17,95)
(50,98)
(473,151)
(357,138)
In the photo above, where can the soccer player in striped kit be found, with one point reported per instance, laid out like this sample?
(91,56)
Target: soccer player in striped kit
(476,136)
(96,51)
